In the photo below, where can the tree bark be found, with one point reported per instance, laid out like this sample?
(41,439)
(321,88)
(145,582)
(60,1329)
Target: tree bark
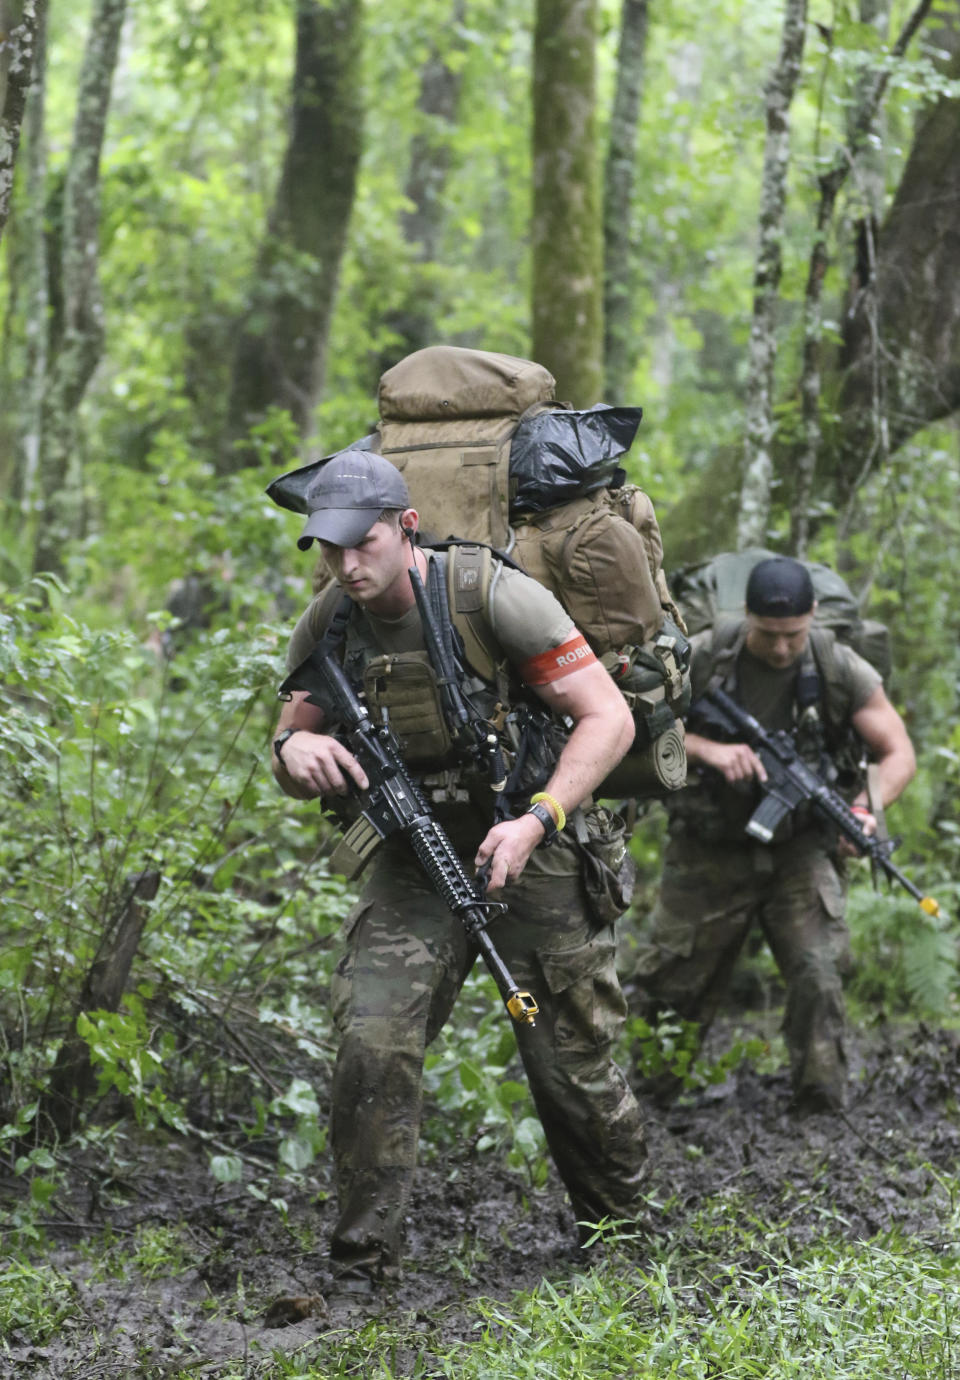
(280,358)
(566,231)
(830,183)
(72,1076)
(21,22)
(76,350)
(414,321)
(901,344)
(758,459)
(618,261)
(36,272)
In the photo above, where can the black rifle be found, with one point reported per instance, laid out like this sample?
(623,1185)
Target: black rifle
(470,731)
(790,782)
(394,803)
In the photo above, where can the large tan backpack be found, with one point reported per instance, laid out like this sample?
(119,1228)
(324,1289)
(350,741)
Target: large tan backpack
(447,417)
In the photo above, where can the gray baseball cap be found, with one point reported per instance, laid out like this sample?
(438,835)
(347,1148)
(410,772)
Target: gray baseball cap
(348,495)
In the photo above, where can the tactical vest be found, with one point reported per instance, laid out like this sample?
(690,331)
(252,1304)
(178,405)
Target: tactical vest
(714,810)
(402,689)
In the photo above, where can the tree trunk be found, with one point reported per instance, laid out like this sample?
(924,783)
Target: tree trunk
(76,351)
(280,357)
(566,231)
(830,183)
(36,270)
(901,346)
(414,321)
(619,354)
(21,22)
(72,1075)
(758,460)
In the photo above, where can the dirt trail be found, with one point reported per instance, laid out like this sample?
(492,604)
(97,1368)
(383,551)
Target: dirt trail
(474,1229)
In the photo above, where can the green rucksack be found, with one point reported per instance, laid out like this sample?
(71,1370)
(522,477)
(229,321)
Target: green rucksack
(717,588)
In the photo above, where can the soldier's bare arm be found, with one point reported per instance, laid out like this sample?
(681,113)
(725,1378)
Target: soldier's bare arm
(603,731)
(885,734)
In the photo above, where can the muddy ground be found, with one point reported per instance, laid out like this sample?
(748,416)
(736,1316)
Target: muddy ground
(476,1230)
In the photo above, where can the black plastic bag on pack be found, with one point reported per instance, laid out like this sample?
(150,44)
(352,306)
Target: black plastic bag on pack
(558,456)
(290,490)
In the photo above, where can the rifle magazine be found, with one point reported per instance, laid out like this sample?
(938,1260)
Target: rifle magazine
(356,848)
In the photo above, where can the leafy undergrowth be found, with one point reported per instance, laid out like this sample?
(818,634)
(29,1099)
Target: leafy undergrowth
(823,1247)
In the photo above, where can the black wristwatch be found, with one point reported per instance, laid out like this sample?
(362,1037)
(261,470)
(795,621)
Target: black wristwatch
(279,741)
(550,829)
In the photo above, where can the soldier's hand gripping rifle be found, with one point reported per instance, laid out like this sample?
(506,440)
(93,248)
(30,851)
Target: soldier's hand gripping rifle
(394,803)
(790,782)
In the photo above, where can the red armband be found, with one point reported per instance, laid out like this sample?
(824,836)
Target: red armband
(558,661)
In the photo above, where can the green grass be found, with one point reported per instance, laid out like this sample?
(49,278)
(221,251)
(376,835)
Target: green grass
(733,1302)
(34,1301)
(866,1311)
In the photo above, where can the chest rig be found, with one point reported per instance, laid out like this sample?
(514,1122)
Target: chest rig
(809,727)
(716,811)
(460,729)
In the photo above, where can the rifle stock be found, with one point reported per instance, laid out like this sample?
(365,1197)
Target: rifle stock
(791,782)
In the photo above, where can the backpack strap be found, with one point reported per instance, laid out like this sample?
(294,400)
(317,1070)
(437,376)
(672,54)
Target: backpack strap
(469,577)
(333,610)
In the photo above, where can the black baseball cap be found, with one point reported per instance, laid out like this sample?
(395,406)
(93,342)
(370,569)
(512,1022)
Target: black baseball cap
(779,587)
(348,495)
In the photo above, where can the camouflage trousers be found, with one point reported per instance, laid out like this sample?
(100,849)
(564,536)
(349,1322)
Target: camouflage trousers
(406,960)
(710,897)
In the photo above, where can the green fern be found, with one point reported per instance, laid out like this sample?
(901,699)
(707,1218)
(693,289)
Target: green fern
(929,964)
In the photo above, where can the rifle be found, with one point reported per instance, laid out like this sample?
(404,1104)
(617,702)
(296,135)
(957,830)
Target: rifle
(471,732)
(790,782)
(394,803)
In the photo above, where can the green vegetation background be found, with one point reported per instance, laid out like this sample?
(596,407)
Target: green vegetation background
(129,743)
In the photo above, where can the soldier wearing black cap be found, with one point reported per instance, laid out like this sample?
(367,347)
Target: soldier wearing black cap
(717,882)
(406,957)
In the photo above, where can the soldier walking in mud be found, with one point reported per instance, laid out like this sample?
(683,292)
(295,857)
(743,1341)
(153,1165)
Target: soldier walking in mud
(717,881)
(406,956)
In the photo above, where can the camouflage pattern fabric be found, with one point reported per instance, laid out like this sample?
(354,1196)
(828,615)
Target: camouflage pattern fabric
(406,959)
(710,897)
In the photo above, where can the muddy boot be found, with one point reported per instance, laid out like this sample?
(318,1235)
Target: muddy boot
(353,1297)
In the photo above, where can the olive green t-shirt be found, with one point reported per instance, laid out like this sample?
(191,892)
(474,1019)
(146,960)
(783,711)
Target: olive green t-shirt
(768,694)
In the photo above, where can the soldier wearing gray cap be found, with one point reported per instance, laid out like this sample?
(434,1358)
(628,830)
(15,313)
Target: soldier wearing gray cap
(717,883)
(348,495)
(406,957)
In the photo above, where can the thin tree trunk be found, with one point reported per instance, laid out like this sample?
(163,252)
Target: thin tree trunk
(758,459)
(21,21)
(72,1076)
(830,184)
(280,359)
(618,261)
(36,289)
(76,352)
(567,232)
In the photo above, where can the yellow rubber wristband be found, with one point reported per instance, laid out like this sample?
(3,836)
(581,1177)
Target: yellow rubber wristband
(550,800)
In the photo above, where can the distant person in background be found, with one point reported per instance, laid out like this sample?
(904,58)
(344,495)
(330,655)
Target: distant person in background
(717,881)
